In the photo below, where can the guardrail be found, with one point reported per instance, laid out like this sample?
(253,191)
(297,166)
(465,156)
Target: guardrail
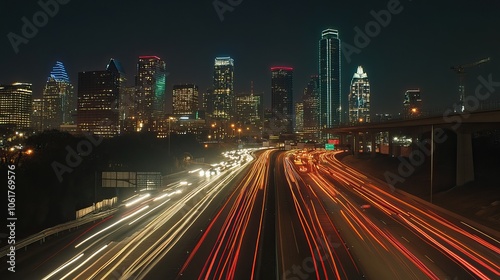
(106,203)
(40,237)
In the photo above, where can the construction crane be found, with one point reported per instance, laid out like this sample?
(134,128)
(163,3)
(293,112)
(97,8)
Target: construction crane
(460,70)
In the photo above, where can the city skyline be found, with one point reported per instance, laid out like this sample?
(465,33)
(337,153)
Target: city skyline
(237,139)
(189,61)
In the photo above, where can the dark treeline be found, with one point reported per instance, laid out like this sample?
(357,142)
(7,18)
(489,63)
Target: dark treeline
(58,178)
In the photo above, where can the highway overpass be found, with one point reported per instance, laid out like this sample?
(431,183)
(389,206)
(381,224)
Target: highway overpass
(463,125)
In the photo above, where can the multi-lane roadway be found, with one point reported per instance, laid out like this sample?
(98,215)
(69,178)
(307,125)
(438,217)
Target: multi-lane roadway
(143,230)
(277,215)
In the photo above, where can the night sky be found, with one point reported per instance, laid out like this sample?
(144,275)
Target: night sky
(416,49)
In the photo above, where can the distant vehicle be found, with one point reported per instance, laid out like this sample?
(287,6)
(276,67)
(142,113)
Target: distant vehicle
(365,206)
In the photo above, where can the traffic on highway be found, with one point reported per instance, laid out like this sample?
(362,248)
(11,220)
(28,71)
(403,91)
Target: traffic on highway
(271,214)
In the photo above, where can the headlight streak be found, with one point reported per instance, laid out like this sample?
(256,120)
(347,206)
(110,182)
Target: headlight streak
(466,224)
(154,253)
(225,254)
(125,200)
(210,189)
(141,198)
(112,225)
(83,263)
(143,215)
(194,171)
(63,266)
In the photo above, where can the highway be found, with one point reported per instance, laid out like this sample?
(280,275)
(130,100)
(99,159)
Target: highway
(270,228)
(142,231)
(231,244)
(309,245)
(274,215)
(395,236)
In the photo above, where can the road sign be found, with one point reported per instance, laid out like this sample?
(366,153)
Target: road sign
(329,147)
(335,141)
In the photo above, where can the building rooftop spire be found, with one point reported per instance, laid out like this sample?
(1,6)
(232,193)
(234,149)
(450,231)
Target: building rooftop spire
(360,73)
(59,73)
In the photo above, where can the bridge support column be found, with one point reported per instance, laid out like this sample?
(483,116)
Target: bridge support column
(343,141)
(365,143)
(391,149)
(465,160)
(355,144)
(373,138)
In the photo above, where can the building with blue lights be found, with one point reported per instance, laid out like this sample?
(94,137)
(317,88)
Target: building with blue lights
(59,101)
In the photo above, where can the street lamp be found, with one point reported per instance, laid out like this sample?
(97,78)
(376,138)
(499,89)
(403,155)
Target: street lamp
(28,152)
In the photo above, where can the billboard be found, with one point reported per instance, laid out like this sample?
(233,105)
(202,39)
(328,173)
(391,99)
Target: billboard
(139,180)
(334,141)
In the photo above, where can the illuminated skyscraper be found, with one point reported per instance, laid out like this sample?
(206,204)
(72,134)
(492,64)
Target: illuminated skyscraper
(15,105)
(151,83)
(36,114)
(412,104)
(207,101)
(249,108)
(282,99)
(359,98)
(98,101)
(128,109)
(330,79)
(185,100)
(299,117)
(126,96)
(311,107)
(59,102)
(223,92)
